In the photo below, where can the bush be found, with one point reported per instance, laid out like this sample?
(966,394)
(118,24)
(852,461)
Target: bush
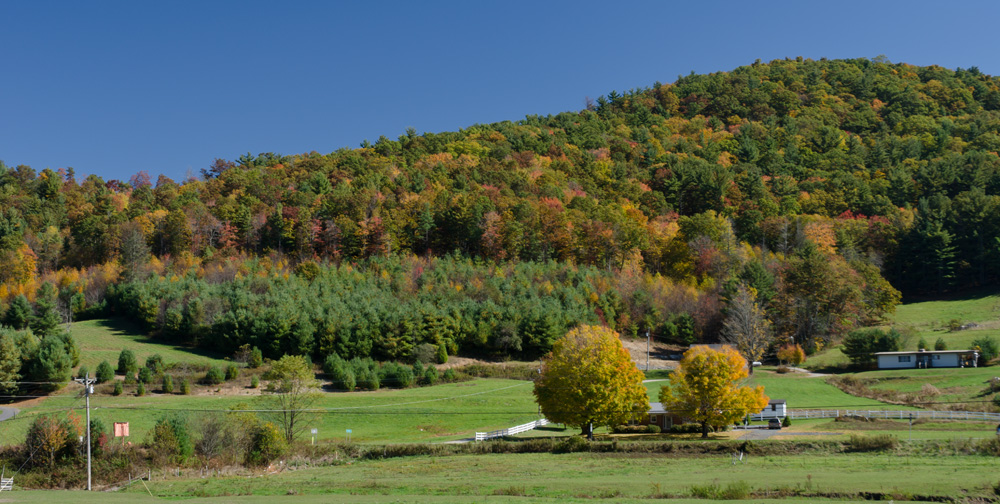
(395,375)
(172,439)
(786,422)
(267,444)
(51,438)
(82,372)
(340,372)
(653,429)
(996,401)
(140,390)
(442,354)
(430,375)
(940,344)
(922,344)
(256,358)
(254,381)
(119,388)
(876,442)
(232,372)
(104,372)
(449,375)
(214,376)
(572,444)
(127,365)
(186,386)
(145,375)
(688,428)
(792,354)
(987,347)
(633,429)
(861,345)
(783,369)
(155,364)
(168,384)
(365,373)
(425,353)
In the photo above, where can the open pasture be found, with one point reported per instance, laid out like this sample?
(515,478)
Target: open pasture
(104,339)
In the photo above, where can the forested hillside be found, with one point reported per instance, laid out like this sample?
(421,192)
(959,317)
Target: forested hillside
(817,183)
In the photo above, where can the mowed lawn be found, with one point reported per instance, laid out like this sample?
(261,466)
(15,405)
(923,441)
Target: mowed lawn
(426,414)
(586,477)
(104,339)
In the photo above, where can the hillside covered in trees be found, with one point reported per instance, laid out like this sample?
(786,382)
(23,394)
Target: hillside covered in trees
(823,185)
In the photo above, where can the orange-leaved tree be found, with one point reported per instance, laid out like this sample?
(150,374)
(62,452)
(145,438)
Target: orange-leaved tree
(706,388)
(589,379)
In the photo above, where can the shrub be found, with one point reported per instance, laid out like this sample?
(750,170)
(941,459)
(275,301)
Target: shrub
(254,381)
(425,353)
(922,344)
(786,422)
(50,438)
(186,386)
(876,442)
(168,384)
(172,439)
(418,370)
(430,375)
(996,401)
(365,373)
(653,429)
(214,376)
(145,375)
(82,372)
(940,344)
(267,444)
(232,372)
(140,390)
(861,345)
(954,325)
(987,347)
(256,358)
(783,369)
(395,375)
(792,354)
(572,444)
(633,429)
(155,364)
(449,375)
(119,388)
(340,372)
(130,379)
(104,372)
(127,365)
(442,354)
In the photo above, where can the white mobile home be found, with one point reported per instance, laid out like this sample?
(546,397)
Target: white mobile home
(918,359)
(775,409)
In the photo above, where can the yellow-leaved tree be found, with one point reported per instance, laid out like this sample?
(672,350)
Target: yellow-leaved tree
(707,388)
(589,379)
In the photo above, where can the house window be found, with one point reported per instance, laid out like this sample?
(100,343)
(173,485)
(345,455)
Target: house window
(904,358)
(937,357)
(774,407)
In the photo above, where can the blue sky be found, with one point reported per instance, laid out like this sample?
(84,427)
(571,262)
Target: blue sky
(113,88)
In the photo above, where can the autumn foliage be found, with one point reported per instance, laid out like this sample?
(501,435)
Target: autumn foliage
(589,378)
(706,388)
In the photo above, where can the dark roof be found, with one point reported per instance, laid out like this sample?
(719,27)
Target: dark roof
(925,352)
(776,401)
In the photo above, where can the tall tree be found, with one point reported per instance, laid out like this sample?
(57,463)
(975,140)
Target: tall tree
(290,394)
(706,388)
(589,379)
(746,326)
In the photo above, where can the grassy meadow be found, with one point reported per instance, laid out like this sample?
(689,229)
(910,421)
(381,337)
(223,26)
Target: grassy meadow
(104,339)
(586,477)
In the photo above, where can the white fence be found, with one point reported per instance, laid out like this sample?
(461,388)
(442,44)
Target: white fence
(983,416)
(6,484)
(483,436)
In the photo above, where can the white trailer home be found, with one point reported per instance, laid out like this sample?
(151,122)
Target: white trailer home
(918,359)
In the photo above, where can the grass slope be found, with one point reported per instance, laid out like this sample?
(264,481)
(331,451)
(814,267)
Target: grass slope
(438,413)
(104,339)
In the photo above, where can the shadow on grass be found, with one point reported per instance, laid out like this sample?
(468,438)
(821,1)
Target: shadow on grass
(127,328)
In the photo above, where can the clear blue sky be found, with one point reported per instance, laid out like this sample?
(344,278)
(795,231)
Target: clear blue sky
(114,87)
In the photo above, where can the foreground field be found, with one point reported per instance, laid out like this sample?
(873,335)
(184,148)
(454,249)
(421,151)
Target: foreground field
(586,477)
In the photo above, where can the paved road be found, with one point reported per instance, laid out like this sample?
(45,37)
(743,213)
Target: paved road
(7,413)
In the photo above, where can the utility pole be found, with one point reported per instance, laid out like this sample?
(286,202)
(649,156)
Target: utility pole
(88,388)
(647,350)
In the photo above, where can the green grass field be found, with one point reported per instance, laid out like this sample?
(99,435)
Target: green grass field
(428,414)
(583,477)
(104,339)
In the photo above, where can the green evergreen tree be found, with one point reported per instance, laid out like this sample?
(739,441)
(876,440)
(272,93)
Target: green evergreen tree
(19,313)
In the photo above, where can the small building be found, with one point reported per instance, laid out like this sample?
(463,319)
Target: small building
(661,417)
(918,359)
(776,408)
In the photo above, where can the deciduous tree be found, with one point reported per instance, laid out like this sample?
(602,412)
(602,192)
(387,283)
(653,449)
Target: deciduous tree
(706,388)
(589,379)
(746,326)
(290,394)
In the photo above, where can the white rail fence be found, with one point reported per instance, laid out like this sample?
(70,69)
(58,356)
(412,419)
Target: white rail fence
(796,414)
(483,436)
